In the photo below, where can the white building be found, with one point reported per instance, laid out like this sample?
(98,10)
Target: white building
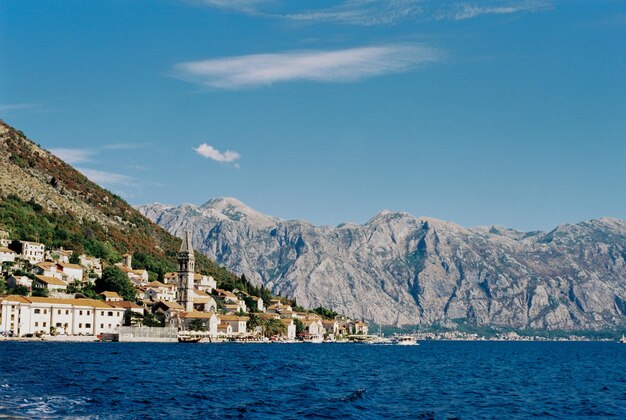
(31,315)
(237,323)
(34,252)
(291,328)
(14,281)
(73,272)
(50,283)
(7,255)
(209,321)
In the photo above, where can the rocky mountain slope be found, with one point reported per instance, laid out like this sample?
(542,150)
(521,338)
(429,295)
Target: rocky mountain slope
(403,270)
(44,199)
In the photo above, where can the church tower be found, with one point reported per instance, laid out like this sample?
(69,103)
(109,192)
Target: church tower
(186,271)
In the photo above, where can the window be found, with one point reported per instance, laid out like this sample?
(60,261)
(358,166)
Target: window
(45,311)
(87,325)
(109,325)
(80,325)
(88,312)
(110,313)
(58,325)
(45,323)
(36,324)
(80,312)
(101,326)
(37,311)
(59,311)
(67,312)
(12,317)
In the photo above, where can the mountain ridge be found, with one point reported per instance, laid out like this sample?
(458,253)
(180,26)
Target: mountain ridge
(401,269)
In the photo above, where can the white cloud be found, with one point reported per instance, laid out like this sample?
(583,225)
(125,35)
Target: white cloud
(245,6)
(348,65)
(464,11)
(72,156)
(362,12)
(107,178)
(211,152)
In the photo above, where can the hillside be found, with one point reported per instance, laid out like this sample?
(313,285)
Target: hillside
(44,199)
(398,269)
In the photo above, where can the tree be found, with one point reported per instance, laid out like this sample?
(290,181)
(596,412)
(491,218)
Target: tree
(21,290)
(40,292)
(3,285)
(197,325)
(150,320)
(114,280)
(274,327)
(299,327)
(74,258)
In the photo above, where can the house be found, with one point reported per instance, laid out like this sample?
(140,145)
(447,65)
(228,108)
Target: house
(7,255)
(49,283)
(111,297)
(203,302)
(48,269)
(358,327)
(139,277)
(128,307)
(278,308)
(14,281)
(225,329)
(331,327)
(32,251)
(237,323)
(204,283)
(167,311)
(291,328)
(59,255)
(209,321)
(259,303)
(71,272)
(313,329)
(157,291)
(92,264)
(31,315)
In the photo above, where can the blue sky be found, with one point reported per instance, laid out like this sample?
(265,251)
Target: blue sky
(479,112)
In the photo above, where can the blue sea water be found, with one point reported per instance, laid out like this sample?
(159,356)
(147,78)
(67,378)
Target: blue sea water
(434,380)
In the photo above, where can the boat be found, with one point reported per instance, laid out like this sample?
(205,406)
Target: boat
(189,339)
(623,339)
(405,340)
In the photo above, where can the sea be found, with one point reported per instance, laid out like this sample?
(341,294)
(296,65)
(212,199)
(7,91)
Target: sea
(435,380)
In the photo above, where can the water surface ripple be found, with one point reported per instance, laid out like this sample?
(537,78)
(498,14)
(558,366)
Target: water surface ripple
(439,380)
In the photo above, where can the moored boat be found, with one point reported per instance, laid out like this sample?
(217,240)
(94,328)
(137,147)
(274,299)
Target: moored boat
(405,340)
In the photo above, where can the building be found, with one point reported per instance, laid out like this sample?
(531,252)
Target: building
(59,255)
(186,274)
(7,255)
(50,283)
(238,323)
(208,320)
(111,297)
(291,328)
(32,315)
(71,272)
(14,281)
(34,252)
(157,291)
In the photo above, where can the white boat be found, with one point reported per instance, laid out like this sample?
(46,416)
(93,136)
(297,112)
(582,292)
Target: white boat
(623,339)
(405,340)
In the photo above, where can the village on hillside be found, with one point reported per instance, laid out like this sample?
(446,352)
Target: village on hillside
(53,294)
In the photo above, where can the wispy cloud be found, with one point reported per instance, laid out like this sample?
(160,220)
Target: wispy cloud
(107,178)
(362,12)
(348,65)
(463,11)
(377,12)
(24,106)
(72,156)
(210,152)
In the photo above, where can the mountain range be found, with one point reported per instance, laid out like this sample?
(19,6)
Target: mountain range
(398,269)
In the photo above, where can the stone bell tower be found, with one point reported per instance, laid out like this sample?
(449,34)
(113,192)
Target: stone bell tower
(186,270)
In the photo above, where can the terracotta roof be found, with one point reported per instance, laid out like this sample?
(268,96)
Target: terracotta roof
(156,284)
(110,294)
(202,300)
(124,304)
(73,302)
(171,305)
(232,318)
(46,265)
(5,250)
(51,280)
(197,315)
(286,321)
(74,266)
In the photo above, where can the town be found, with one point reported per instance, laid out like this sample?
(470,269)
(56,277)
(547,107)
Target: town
(51,294)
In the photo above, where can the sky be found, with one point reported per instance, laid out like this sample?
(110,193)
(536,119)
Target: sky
(484,112)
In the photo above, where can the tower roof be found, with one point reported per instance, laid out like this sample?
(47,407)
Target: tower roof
(186,247)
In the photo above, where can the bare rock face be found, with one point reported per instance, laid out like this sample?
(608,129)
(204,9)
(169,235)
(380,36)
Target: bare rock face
(402,270)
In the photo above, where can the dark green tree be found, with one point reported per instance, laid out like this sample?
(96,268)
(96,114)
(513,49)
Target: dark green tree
(299,327)
(41,292)
(74,258)
(114,280)
(197,325)
(21,291)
